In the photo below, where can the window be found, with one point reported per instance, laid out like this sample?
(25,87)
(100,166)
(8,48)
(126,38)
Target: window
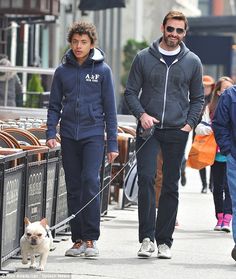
(45,5)
(33,4)
(5,4)
(17,4)
(205,7)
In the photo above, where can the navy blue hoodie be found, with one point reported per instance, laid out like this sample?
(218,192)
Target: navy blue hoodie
(82,99)
(224,122)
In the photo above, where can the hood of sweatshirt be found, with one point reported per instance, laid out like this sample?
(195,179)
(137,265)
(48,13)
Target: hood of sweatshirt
(153,49)
(96,55)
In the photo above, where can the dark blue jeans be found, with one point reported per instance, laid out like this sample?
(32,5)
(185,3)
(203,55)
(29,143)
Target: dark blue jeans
(231,176)
(81,162)
(172,144)
(221,193)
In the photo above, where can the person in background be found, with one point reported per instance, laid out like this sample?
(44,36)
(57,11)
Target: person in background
(222,200)
(164,92)
(10,87)
(224,127)
(209,84)
(82,98)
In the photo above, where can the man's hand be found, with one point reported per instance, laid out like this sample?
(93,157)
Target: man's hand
(147,121)
(51,143)
(111,156)
(186,128)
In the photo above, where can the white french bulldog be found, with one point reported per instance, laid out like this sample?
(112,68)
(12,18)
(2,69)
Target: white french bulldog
(37,239)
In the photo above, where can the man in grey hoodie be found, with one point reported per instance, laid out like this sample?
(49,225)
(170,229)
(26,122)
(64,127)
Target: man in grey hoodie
(164,90)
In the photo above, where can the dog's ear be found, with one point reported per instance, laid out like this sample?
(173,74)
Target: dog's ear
(27,221)
(44,222)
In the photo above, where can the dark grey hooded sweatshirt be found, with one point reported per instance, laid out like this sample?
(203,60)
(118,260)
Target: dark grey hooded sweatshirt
(174,95)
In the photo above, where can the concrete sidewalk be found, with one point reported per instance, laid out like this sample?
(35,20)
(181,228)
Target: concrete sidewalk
(198,251)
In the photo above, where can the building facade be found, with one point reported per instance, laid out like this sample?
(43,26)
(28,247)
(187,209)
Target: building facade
(37,36)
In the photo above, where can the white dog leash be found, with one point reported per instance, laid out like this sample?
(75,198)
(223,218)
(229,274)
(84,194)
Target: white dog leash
(146,136)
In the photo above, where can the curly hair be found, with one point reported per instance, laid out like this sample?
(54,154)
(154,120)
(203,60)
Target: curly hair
(82,28)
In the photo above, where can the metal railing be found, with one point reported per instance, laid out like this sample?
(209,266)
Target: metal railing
(23,70)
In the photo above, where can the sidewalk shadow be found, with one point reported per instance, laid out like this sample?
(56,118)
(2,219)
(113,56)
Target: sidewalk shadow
(215,267)
(206,234)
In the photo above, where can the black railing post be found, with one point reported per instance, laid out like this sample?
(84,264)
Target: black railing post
(2,175)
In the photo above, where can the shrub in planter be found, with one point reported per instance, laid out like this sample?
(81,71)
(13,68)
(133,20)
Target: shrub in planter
(131,48)
(34,91)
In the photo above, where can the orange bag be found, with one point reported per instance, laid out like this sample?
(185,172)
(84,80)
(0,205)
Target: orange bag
(202,152)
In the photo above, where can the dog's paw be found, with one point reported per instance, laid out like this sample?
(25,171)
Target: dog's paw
(24,261)
(33,266)
(40,268)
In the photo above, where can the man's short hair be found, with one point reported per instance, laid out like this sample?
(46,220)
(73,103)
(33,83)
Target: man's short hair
(83,28)
(176,15)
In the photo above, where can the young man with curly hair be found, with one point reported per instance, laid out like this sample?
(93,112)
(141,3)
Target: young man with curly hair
(82,102)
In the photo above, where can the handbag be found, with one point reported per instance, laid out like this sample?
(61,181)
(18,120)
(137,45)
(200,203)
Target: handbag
(202,152)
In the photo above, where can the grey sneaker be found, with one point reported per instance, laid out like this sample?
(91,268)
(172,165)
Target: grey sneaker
(163,251)
(147,248)
(91,248)
(76,250)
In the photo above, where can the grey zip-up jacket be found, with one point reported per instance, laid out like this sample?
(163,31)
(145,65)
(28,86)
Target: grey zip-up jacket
(174,95)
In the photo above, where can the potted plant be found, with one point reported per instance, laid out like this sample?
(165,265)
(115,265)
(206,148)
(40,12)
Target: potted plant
(34,91)
(131,48)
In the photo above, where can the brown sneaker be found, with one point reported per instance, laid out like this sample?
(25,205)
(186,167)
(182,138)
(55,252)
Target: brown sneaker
(76,250)
(91,248)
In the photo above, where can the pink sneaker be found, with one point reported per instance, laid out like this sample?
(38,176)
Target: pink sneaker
(226,223)
(218,226)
